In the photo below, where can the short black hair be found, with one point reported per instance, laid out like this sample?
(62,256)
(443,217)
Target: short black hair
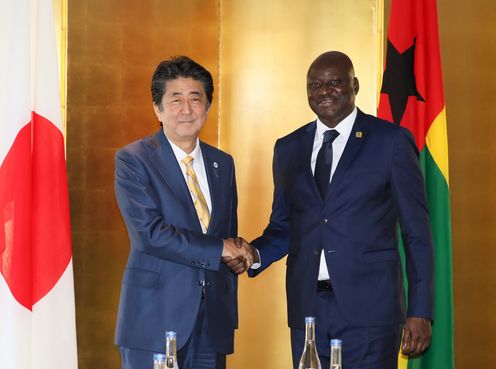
(176,67)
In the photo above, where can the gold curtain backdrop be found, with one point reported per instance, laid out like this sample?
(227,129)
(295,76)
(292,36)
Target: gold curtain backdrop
(258,52)
(266,48)
(113,48)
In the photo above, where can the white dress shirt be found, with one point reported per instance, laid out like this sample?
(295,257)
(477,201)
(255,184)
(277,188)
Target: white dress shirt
(344,128)
(199,168)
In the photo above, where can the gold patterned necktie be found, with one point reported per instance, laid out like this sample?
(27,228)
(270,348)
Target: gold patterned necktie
(198,198)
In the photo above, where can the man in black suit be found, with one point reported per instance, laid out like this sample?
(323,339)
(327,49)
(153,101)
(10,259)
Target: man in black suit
(342,184)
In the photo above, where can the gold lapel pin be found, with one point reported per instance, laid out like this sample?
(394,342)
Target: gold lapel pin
(358,134)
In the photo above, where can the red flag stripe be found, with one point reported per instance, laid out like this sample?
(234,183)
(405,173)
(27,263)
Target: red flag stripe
(409,21)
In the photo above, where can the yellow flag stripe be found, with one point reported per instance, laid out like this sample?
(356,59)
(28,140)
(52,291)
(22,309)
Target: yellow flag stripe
(402,361)
(437,143)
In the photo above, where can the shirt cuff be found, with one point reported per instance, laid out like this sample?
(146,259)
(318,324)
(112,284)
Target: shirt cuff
(259,264)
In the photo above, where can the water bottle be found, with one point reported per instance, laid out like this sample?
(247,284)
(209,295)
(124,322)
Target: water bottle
(158,361)
(310,358)
(336,346)
(170,350)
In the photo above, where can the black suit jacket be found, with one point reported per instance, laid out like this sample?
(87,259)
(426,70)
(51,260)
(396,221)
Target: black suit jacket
(377,184)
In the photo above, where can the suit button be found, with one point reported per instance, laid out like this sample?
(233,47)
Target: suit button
(316,252)
(324,221)
(200,283)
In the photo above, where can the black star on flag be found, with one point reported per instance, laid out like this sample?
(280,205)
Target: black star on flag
(399,79)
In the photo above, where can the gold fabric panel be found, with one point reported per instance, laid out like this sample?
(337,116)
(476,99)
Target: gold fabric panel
(259,53)
(114,47)
(266,48)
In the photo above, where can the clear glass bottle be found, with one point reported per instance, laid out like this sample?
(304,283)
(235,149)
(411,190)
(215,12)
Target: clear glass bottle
(158,361)
(336,347)
(170,350)
(310,358)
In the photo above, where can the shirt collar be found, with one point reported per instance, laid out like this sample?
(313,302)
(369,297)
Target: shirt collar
(344,127)
(180,154)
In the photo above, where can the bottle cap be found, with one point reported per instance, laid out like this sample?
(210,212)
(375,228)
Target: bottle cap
(336,342)
(309,319)
(158,357)
(170,334)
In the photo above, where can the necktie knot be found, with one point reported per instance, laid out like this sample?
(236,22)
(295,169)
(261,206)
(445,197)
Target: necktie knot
(187,160)
(330,135)
(323,165)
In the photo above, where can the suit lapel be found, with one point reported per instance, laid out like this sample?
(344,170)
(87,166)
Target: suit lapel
(357,137)
(166,163)
(212,168)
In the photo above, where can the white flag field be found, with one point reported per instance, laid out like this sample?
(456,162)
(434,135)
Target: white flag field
(37,312)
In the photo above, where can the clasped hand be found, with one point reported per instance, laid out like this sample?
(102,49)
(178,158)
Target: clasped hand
(238,254)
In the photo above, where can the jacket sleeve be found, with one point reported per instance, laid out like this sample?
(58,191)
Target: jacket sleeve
(409,191)
(274,242)
(148,231)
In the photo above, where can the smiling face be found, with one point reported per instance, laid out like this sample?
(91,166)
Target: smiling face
(183,110)
(331,87)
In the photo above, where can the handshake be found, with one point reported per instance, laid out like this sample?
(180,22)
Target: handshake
(239,255)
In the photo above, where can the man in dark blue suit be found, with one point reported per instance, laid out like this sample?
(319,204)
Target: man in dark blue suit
(178,198)
(342,184)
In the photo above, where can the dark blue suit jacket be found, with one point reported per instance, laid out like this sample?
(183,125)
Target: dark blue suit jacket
(169,256)
(377,183)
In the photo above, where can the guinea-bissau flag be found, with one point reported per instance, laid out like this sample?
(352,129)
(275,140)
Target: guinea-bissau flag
(412,95)
(37,314)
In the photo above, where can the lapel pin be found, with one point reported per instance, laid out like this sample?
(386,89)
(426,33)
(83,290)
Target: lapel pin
(358,134)
(216,165)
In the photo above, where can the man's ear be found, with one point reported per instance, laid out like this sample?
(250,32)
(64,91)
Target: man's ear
(157,109)
(356,85)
